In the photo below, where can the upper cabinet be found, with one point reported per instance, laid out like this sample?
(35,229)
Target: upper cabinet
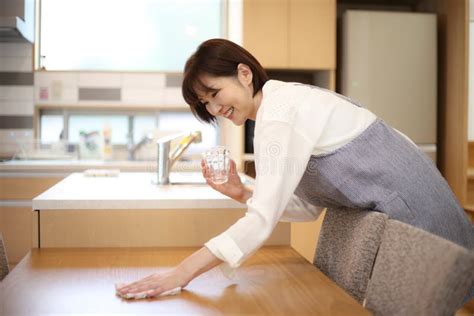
(291,34)
(265,31)
(312,34)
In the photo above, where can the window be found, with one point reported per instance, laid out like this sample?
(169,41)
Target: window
(125,128)
(125,35)
(186,122)
(143,125)
(91,123)
(51,127)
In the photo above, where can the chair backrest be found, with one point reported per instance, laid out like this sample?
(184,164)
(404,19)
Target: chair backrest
(347,247)
(3,259)
(418,273)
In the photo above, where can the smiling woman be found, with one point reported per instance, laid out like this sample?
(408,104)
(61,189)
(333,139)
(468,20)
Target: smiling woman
(314,149)
(132,35)
(231,74)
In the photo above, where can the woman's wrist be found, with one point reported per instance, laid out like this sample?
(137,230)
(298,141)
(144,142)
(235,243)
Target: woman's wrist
(184,274)
(199,262)
(245,194)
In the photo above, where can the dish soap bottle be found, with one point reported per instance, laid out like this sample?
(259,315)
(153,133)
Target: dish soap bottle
(107,137)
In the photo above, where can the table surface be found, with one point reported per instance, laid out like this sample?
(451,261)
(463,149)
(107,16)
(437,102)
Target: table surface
(133,190)
(275,280)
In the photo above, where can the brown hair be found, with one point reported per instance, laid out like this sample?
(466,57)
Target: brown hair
(216,57)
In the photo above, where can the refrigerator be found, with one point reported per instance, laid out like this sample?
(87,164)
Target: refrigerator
(389,65)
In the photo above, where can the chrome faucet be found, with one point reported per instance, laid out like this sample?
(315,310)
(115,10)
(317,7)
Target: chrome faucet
(167,159)
(132,149)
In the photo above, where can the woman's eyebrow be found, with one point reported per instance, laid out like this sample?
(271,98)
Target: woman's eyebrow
(208,91)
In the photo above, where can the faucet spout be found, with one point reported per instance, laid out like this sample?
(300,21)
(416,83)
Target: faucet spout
(167,159)
(132,149)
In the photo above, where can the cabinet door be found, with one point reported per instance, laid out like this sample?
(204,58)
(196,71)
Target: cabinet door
(312,34)
(265,31)
(16,225)
(25,187)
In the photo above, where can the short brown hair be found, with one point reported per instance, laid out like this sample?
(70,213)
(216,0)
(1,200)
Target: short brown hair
(216,57)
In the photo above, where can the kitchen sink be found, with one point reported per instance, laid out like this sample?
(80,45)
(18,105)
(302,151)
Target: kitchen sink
(187,178)
(195,178)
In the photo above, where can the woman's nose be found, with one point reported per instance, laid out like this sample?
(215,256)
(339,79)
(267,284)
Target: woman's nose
(213,108)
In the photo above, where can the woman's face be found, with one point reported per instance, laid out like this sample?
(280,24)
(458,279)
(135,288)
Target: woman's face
(232,97)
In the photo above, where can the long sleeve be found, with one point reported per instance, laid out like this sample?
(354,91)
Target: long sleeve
(281,157)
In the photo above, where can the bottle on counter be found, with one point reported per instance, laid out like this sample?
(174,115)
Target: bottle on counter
(107,147)
(89,145)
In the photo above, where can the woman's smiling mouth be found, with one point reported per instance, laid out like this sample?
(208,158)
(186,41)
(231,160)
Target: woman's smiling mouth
(229,112)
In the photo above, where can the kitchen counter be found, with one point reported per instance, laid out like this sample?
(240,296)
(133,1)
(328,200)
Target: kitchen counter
(65,167)
(129,210)
(135,190)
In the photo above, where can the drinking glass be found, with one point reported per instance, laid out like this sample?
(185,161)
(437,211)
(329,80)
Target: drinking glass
(218,162)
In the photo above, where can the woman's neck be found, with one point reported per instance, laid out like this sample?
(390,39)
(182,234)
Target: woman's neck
(257,100)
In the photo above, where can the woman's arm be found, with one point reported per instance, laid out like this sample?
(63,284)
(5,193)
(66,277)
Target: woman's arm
(191,267)
(200,261)
(197,263)
(282,153)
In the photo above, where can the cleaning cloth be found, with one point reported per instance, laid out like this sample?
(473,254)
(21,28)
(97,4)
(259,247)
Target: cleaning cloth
(142,295)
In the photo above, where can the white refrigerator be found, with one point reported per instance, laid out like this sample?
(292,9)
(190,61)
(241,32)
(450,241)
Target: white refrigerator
(389,65)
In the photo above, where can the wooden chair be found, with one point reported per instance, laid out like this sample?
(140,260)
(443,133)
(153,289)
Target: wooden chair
(4,269)
(347,247)
(418,273)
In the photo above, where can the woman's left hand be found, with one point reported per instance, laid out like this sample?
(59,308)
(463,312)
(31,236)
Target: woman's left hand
(233,188)
(156,283)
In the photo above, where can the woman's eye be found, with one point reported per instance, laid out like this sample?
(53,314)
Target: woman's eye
(214,94)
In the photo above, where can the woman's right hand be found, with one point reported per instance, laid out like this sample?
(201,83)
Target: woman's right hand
(233,188)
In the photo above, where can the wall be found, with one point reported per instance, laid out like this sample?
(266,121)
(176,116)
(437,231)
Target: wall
(21,90)
(108,88)
(16,94)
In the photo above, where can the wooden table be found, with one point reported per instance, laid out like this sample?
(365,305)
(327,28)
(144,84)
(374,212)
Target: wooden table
(276,280)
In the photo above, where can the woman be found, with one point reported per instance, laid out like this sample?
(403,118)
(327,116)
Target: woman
(313,149)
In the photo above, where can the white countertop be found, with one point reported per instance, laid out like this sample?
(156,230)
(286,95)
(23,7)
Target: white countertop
(65,167)
(132,190)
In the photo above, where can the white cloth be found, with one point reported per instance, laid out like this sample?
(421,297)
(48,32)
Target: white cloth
(294,121)
(142,295)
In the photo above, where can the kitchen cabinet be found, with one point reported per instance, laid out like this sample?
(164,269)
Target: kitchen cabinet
(131,211)
(312,34)
(17,224)
(17,221)
(291,34)
(265,31)
(25,187)
(305,236)
(136,227)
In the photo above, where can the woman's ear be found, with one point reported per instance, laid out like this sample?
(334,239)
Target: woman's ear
(245,75)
